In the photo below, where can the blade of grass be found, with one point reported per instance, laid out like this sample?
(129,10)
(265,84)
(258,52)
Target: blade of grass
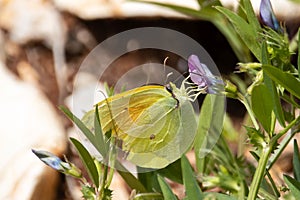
(131,180)
(90,136)
(262,106)
(252,19)
(245,30)
(298,53)
(288,81)
(296,161)
(172,171)
(271,87)
(294,186)
(192,188)
(99,137)
(165,188)
(87,161)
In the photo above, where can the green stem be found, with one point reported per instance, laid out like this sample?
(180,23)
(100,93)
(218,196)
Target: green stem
(112,162)
(105,171)
(284,142)
(259,173)
(249,110)
(263,161)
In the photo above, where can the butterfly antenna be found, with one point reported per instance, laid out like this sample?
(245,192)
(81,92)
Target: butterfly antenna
(169,74)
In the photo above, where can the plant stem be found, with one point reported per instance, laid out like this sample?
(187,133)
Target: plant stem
(259,173)
(249,110)
(290,132)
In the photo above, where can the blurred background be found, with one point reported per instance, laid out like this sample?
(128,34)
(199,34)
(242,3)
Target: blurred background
(42,45)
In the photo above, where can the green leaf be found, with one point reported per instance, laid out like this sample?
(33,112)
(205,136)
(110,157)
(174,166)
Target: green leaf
(262,105)
(165,188)
(99,137)
(248,34)
(88,192)
(192,189)
(90,136)
(276,100)
(296,161)
(172,171)
(287,80)
(256,137)
(148,179)
(294,186)
(210,126)
(218,196)
(87,161)
(131,180)
(251,16)
(298,53)
(148,196)
(271,87)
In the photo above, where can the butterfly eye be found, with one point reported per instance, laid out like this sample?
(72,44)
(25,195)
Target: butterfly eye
(169,88)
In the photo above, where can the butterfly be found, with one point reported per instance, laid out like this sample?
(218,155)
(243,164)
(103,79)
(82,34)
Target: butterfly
(202,76)
(155,123)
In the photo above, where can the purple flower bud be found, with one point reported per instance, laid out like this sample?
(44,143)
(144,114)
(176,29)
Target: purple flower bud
(57,164)
(49,159)
(202,76)
(267,15)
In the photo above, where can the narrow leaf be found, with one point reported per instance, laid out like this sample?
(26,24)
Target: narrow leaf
(166,189)
(252,19)
(288,81)
(296,161)
(131,180)
(148,196)
(172,171)
(294,186)
(87,161)
(210,126)
(248,34)
(299,52)
(262,105)
(90,136)
(99,137)
(148,179)
(192,188)
(218,196)
(271,87)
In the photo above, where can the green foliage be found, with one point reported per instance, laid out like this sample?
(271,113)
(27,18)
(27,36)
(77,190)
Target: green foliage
(248,34)
(296,161)
(209,128)
(293,185)
(192,189)
(262,106)
(165,188)
(256,138)
(285,79)
(88,192)
(88,161)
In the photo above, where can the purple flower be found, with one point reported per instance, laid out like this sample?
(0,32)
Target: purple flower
(267,15)
(202,76)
